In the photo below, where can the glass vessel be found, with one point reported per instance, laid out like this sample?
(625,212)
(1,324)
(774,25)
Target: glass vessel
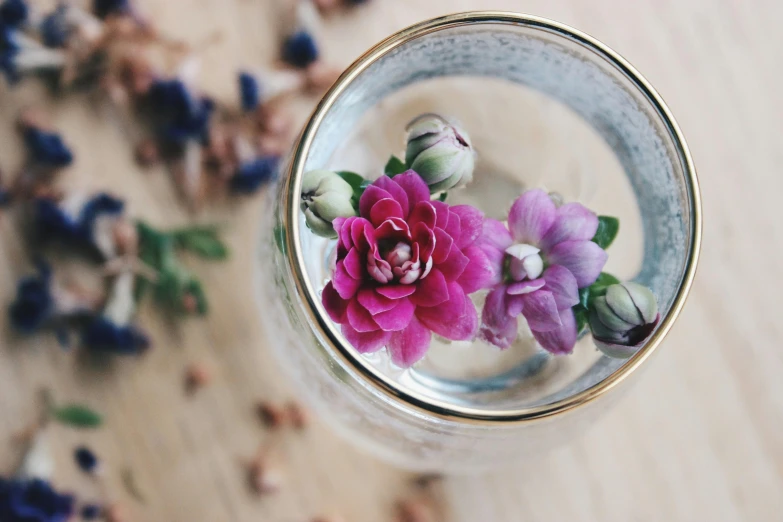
(469,406)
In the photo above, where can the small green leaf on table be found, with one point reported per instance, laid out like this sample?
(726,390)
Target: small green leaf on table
(77,416)
(202,241)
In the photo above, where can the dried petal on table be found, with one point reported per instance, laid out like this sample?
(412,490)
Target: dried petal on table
(197,375)
(298,416)
(272,415)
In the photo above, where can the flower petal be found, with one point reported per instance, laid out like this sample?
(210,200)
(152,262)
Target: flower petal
(584,259)
(396,291)
(561,340)
(383,210)
(442,211)
(398,317)
(366,342)
(539,309)
(443,245)
(344,233)
(432,290)
(497,326)
(531,216)
(371,195)
(359,318)
(479,273)
(455,265)
(345,285)
(399,195)
(423,212)
(335,305)
(373,301)
(454,226)
(471,223)
(408,346)
(495,234)
(426,239)
(454,319)
(393,228)
(354,264)
(415,187)
(526,287)
(562,283)
(573,222)
(361,234)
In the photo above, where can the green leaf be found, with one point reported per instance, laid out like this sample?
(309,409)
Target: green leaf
(584,297)
(581,319)
(194,288)
(443,196)
(279,233)
(597,289)
(353,179)
(77,416)
(394,166)
(608,227)
(202,241)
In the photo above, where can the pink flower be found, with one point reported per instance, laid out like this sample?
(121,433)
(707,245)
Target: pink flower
(544,257)
(404,269)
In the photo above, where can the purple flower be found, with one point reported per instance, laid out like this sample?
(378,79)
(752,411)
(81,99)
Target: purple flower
(544,257)
(300,49)
(33,501)
(404,269)
(252,175)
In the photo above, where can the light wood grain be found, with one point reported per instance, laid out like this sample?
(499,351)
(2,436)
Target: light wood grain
(699,438)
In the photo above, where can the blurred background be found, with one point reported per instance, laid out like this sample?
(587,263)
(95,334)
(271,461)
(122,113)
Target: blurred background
(697,438)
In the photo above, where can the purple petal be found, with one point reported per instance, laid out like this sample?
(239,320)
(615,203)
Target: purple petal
(383,210)
(414,187)
(345,285)
(514,304)
(359,318)
(455,265)
(531,216)
(573,222)
(408,346)
(361,234)
(354,264)
(399,195)
(398,317)
(584,259)
(471,222)
(453,227)
(423,212)
(526,287)
(495,234)
(393,228)
(425,238)
(366,342)
(562,339)
(344,233)
(432,290)
(443,244)
(335,305)
(396,291)
(442,212)
(454,319)
(370,197)
(539,309)
(374,302)
(562,283)
(479,273)
(497,326)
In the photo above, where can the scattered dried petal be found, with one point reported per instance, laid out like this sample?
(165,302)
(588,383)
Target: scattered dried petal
(414,511)
(147,153)
(264,480)
(198,375)
(427,480)
(271,415)
(298,416)
(115,513)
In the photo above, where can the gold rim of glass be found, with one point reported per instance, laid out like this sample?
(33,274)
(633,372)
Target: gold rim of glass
(348,355)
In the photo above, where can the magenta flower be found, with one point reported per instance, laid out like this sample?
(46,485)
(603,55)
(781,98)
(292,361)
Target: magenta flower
(544,257)
(404,269)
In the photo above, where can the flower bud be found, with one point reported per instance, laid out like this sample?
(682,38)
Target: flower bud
(325,196)
(525,262)
(439,152)
(623,319)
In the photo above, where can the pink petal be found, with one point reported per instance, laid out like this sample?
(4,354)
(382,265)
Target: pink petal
(455,319)
(443,244)
(442,211)
(526,287)
(495,234)
(514,304)
(335,305)
(497,326)
(423,212)
(562,283)
(393,228)
(361,233)
(399,195)
(561,340)
(359,318)
(531,216)
(413,186)
(471,222)
(398,317)
(345,242)
(425,238)
(539,309)
(573,222)
(366,342)
(455,265)
(584,259)
(370,197)
(432,290)
(383,210)
(396,291)
(345,285)
(479,273)
(374,302)
(354,264)
(408,346)
(454,227)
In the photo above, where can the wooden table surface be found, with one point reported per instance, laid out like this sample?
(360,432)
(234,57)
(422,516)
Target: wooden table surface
(700,437)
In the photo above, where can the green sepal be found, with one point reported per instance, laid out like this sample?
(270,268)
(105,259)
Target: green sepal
(608,227)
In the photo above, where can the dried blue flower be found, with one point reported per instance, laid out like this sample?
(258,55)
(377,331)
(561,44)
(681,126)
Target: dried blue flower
(56,28)
(34,304)
(254,174)
(300,49)
(33,501)
(182,115)
(14,13)
(20,54)
(86,459)
(102,335)
(5,198)
(250,92)
(104,8)
(47,148)
(91,512)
